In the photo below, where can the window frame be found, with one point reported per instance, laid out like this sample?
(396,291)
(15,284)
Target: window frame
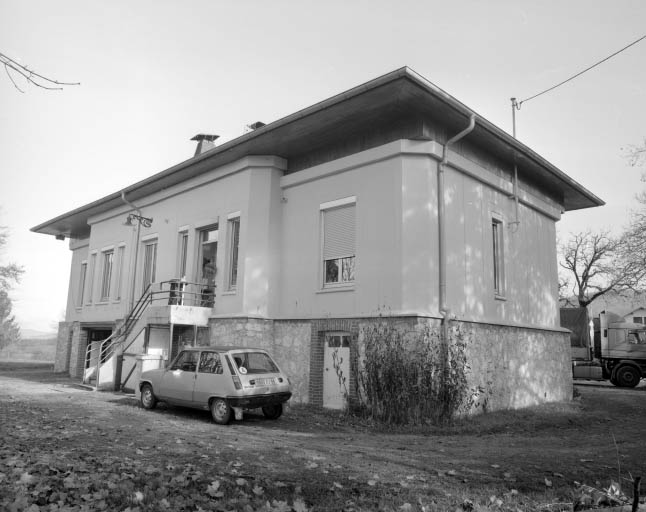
(149,271)
(498,256)
(233,253)
(107,267)
(81,284)
(120,260)
(345,263)
(92,267)
(182,253)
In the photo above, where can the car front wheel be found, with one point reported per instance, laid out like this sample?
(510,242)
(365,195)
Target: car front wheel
(220,411)
(272,412)
(148,400)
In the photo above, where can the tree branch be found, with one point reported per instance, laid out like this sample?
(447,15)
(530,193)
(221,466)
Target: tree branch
(30,76)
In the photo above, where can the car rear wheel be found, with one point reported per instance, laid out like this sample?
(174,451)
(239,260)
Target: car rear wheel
(628,376)
(272,412)
(148,400)
(220,411)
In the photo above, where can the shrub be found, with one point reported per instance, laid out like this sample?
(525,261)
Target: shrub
(410,377)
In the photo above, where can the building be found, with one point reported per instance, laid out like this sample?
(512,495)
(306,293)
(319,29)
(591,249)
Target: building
(392,201)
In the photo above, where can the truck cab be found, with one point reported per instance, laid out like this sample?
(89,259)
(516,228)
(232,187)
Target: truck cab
(621,350)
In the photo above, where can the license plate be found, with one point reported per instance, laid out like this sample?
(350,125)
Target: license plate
(265,382)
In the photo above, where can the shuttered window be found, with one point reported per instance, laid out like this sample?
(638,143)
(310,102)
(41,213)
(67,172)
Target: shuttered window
(339,230)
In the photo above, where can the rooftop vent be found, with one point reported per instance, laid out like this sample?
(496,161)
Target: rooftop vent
(204,142)
(256,125)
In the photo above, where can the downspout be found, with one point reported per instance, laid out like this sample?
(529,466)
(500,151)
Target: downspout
(445,311)
(441,220)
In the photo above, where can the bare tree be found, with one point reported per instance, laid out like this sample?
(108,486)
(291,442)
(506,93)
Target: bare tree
(15,70)
(636,154)
(597,263)
(9,274)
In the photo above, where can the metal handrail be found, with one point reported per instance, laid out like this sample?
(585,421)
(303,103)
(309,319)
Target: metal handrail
(107,348)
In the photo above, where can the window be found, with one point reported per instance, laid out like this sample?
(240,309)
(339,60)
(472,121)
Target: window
(638,319)
(498,257)
(119,272)
(106,276)
(210,362)
(234,242)
(338,222)
(207,270)
(81,290)
(254,362)
(150,263)
(182,254)
(90,292)
(186,361)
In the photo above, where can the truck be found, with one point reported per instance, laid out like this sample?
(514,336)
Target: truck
(608,348)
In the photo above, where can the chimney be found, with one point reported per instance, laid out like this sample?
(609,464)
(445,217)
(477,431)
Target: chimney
(204,142)
(254,126)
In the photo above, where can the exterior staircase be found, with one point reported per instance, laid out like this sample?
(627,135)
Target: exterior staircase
(111,364)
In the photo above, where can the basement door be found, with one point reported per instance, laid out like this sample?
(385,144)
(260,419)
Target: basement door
(336,370)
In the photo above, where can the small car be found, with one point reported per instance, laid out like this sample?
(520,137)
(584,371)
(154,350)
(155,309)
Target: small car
(224,380)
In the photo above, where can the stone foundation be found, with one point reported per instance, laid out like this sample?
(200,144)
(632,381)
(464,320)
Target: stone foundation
(63,347)
(518,367)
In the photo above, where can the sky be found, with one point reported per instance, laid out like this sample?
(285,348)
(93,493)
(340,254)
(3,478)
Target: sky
(155,73)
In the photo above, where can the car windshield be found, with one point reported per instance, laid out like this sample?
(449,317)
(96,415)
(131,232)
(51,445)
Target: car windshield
(254,362)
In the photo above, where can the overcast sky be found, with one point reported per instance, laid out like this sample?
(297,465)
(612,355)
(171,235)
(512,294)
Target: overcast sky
(155,73)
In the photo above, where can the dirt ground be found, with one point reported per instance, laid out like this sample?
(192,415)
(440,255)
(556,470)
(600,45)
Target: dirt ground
(63,447)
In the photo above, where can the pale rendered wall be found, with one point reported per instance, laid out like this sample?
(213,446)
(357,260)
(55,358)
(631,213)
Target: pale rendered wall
(531,289)
(196,204)
(377,187)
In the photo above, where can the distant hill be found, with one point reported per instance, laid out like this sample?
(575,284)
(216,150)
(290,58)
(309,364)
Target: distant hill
(33,334)
(35,346)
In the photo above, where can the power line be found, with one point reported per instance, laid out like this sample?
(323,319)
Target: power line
(518,104)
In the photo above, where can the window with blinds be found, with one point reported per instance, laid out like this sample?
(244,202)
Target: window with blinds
(339,229)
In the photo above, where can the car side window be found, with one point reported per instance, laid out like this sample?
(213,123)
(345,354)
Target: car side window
(186,361)
(210,362)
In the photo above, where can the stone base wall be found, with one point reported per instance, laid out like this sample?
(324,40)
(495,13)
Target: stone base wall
(518,367)
(77,351)
(63,347)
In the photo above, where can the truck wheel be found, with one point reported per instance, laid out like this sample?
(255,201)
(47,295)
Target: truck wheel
(628,376)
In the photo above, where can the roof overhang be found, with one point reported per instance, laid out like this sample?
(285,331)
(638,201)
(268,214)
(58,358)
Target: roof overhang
(389,97)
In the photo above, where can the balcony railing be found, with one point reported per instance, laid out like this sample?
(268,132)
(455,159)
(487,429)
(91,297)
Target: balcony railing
(182,293)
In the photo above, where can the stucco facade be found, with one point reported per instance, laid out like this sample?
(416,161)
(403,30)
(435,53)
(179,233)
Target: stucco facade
(273,209)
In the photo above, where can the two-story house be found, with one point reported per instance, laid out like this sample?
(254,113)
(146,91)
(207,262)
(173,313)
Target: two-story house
(390,201)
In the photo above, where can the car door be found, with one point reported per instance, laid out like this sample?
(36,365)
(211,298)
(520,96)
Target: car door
(178,380)
(210,379)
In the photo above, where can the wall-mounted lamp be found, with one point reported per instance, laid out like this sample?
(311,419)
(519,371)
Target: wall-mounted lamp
(144,221)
